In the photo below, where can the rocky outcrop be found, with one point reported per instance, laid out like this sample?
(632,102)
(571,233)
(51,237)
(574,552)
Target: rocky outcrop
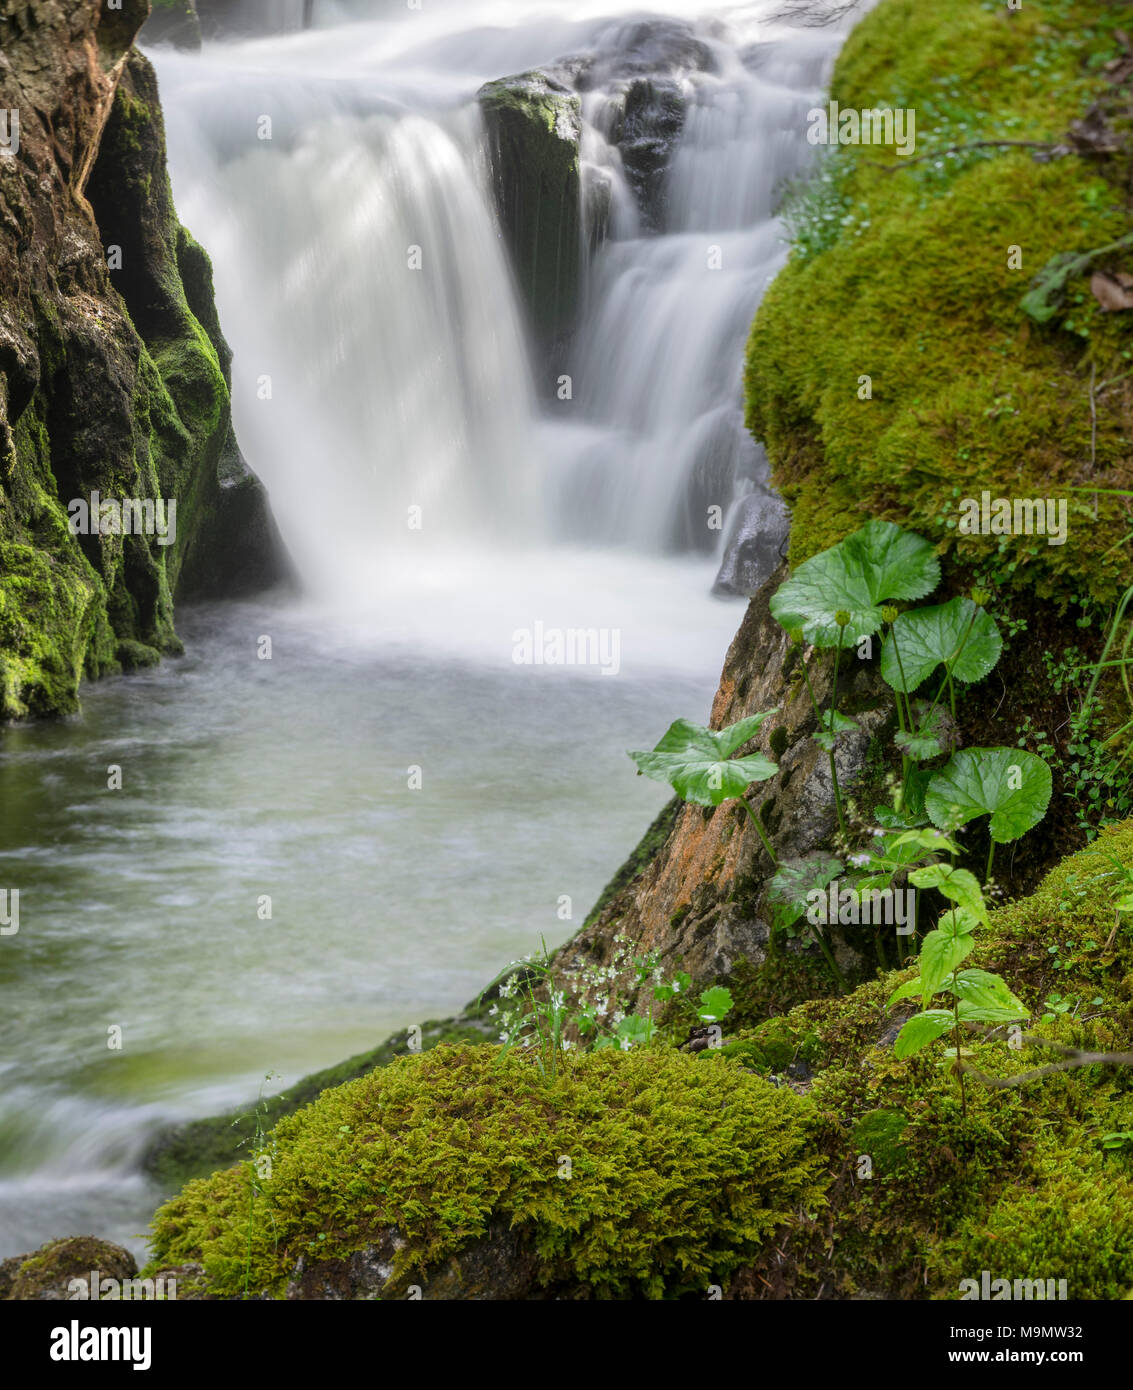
(534,126)
(113,374)
(756,544)
(175,22)
(701,902)
(648,1174)
(644,70)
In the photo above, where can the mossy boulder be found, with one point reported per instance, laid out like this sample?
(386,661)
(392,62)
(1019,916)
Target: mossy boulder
(911,273)
(643,1174)
(46,1274)
(534,126)
(928,1187)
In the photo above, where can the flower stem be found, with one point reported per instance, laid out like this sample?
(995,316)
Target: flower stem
(760,831)
(959,1063)
(834,710)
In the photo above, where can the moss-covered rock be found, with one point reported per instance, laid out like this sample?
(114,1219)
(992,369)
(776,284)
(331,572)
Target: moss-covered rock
(928,1188)
(911,273)
(649,1173)
(113,374)
(46,1274)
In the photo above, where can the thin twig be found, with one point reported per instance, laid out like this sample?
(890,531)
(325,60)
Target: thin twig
(1071,1057)
(1093,431)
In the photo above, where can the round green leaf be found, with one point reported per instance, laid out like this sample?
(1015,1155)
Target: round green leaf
(855,577)
(1011,786)
(956,634)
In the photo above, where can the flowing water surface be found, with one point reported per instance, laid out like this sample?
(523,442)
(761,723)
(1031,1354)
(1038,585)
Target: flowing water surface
(392,389)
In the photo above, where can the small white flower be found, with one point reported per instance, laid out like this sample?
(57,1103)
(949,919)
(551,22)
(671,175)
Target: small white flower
(602,1006)
(617,1016)
(493,1011)
(859,859)
(625,1044)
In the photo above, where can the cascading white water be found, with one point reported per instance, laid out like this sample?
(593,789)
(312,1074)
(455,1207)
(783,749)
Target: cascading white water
(400,382)
(660,352)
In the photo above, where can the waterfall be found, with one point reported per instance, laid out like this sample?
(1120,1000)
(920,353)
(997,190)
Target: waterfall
(362,279)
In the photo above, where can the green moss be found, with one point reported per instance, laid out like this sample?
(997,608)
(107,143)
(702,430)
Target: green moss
(47,1273)
(202,1146)
(773,1045)
(912,288)
(680,1172)
(51,613)
(879,1134)
(947,1194)
(1071,1217)
(134,656)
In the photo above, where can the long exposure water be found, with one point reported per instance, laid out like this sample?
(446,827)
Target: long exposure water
(391,389)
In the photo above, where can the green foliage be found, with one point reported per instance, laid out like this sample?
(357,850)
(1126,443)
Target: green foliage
(682,1171)
(849,589)
(980,782)
(957,635)
(699,766)
(715,1004)
(794,881)
(878,563)
(698,763)
(978,995)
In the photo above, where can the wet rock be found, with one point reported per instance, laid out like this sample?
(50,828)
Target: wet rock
(645,65)
(534,126)
(756,543)
(498,1267)
(646,132)
(113,372)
